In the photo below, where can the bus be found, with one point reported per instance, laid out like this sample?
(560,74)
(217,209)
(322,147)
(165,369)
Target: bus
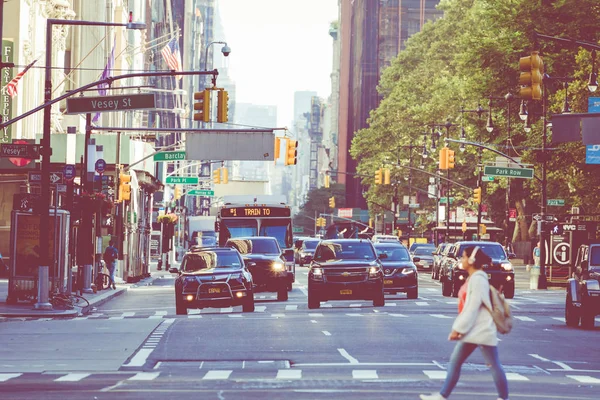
(273,220)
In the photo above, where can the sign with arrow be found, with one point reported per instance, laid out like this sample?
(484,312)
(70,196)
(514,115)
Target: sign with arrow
(56,178)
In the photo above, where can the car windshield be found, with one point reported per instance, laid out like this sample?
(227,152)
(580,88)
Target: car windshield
(594,258)
(311,244)
(494,251)
(254,246)
(209,260)
(394,253)
(424,251)
(344,251)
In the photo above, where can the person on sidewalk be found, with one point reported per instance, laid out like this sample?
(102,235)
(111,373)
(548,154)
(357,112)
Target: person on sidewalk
(110,258)
(534,272)
(474,327)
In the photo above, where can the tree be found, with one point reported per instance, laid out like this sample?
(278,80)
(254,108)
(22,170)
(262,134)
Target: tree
(317,203)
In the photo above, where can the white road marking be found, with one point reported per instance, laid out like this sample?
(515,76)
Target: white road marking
(139,359)
(559,319)
(421,303)
(226,310)
(73,377)
(348,357)
(80,318)
(235,315)
(276,315)
(355,305)
(313,321)
(526,319)
(194,316)
(423,298)
(291,307)
(162,312)
(364,374)
(5,377)
(326,333)
(326,305)
(398,315)
(144,376)
(439,316)
(119,317)
(584,378)
(289,374)
(431,290)
(315,315)
(539,357)
(451,302)
(354,315)
(262,297)
(435,374)
(217,375)
(260,308)
(390,305)
(304,291)
(44,319)
(513,376)
(128,314)
(563,365)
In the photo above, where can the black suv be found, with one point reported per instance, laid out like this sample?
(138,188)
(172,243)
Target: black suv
(264,258)
(583,289)
(345,269)
(213,277)
(399,272)
(500,273)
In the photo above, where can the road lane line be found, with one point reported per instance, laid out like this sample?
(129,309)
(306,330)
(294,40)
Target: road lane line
(217,375)
(354,315)
(289,374)
(144,376)
(513,376)
(315,315)
(398,315)
(139,359)
(584,378)
(435,374)
(260,308)
(326,333)
(277,315)
(563,365)
(439,316)
(291,307)
(226,310)
(193,316)
(526,319)
(348,357)
(421,303)
(235,315)
(390,305)
(73,377)
(313,321)
(5,377)
(559,319)
(364,374)
(355,305)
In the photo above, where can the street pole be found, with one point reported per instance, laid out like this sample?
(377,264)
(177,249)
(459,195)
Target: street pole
(508,98)
(542,282)
(410,159)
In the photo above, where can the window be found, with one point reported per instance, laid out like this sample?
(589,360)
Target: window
(209,260)
(424,251)
(594,259)
(310,244)
(262,246)
(394,253)
(344,251)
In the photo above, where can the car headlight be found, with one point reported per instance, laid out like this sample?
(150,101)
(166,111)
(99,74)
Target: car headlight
(373,272)
(407,271)
(317,272)
(507,266)
(278,266)
(189,279)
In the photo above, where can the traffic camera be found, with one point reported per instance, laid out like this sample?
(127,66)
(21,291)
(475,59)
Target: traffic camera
(202,105)
(531,76)
(124,187)
(222,106)
(291,152)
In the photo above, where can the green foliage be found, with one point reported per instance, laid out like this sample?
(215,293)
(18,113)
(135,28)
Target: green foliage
(317,203)
(461,60)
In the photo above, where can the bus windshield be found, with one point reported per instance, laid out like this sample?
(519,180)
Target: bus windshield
(240,228)
(276,229)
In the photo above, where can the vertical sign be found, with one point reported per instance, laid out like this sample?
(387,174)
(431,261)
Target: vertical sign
(5,99)
(592,151)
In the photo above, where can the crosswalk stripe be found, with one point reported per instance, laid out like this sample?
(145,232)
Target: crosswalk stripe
(584,378)
(72,377)
(435,374)
(432,290)
(5,377)
(260,308)
(289,374)
(194,316)
(276,315)
(559,319)
(390,304)
(291,307)
(364,374)
(355,305)
(161,313)
(526,319)
(226,310)
(354,315)
(235,315)
(398,315)
(144,376)
(45,319)
(421,303)
(315,315)
(439,316)
(326,305)
(513,376)
(217,375)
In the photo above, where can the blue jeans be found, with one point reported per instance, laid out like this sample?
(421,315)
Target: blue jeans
(461,352)
(112,266)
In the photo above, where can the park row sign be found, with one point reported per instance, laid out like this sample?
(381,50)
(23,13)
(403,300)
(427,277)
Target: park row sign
(82,105)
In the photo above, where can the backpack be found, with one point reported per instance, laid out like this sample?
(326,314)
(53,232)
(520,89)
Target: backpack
(500,311)
(109,255)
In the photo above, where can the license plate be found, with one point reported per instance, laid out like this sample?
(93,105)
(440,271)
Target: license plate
(388,282)
(214,290)
(425,265)
(347,291)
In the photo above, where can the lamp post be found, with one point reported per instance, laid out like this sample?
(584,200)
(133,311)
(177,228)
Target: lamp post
(45,258)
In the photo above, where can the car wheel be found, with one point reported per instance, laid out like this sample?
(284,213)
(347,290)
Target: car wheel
(379,300)
(282,293)
(248,305)
(587,316)
(289,286)
(572,316)
(180,308)
(413,293)
(446,288)
(313,301)
(509,293)
(432,274)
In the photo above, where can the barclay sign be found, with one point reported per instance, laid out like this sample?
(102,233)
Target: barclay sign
(80,105)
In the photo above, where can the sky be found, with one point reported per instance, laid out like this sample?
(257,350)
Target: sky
(278,47)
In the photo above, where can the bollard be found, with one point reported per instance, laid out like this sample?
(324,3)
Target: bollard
(43,303)
(87,279)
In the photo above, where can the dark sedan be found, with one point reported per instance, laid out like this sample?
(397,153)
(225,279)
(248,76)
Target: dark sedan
(305,253)
(345,269)
(438,259)
(213,278)
(399,272)
(423,256)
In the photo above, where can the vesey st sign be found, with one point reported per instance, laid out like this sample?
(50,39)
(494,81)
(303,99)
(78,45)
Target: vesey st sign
(80,105)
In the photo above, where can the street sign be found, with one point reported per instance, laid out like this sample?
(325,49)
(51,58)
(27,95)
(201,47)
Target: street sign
(298,229)
(526,173)
(82,105)
(28,151)
(61,188)
(422,212)
(100,166)
(444,200)
(69,172)
(538,217)
(34,177)
(26,201)
(198,192)
(512,214)
(486,178)
(182,180)
(170,156)
(556,202)
(418,205)
(56,178)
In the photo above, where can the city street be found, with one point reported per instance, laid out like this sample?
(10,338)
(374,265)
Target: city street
(135,347)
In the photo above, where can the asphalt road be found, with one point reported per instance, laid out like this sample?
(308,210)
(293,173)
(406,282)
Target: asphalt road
(135,347)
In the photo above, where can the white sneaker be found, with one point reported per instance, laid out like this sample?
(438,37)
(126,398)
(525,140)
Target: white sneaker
(435,396)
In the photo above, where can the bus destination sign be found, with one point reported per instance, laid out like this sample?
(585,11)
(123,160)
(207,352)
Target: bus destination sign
(254,212)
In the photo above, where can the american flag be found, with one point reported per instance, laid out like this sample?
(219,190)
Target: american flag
(171,55)
(11,87)
(105,74)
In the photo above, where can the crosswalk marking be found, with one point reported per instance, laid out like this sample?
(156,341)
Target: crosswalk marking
(235,315)
(390,304)
(584,378)
(289,374)
(398,315)
(439,316)
(226,310)
(5,377)
(326,305)
(354,315)
(260,308)
(128,314)
(277,315)
(326,333)
(421,303)
(435,374)
(291,307)
(315,315)
(364,374)
(73,377)
(144,376)
(513,376)
(355,305)
(526,319)
(194,316)
(559,319)
(217,375)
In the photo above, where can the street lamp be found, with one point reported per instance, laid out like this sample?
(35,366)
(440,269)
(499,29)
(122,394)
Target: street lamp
(45,258)
(226,50)
(523,110)
(593,80)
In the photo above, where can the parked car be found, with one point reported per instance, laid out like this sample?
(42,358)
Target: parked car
(423,257)
(345,269)
(215,277)
(500,271)
(385,239)
(264,258)
(304,254)
(438,256)
(583,289)
(399,272)
(416,245)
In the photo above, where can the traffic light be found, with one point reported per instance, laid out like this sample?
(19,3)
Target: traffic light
(217,176)
(177,193)
(332,202)
(482,229)
(386,176)
(378,177)
(225,179)
(477,195)
(464,226)
(444,158)
(531,77)
(450,162)
(326,181)
(291,151)
(277,148)
(222,106)
(370,222)
(124,187)
(202,106)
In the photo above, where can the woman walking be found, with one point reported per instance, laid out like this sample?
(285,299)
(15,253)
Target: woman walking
(474,327)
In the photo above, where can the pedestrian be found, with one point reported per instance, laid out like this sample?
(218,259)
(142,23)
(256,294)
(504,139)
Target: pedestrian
(534,272)
(474,327)
(110,258)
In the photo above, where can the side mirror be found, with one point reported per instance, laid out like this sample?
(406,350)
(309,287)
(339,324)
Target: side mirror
(511,256)
(174,270)
(251,264)
(416,259)
(383,256)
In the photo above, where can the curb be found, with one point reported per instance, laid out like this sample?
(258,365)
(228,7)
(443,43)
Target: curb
(98,302)
(41,314)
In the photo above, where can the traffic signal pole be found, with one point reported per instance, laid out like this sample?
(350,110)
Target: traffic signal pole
(542,281)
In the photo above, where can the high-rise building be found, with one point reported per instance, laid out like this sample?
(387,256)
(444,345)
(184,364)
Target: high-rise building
(372,33)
